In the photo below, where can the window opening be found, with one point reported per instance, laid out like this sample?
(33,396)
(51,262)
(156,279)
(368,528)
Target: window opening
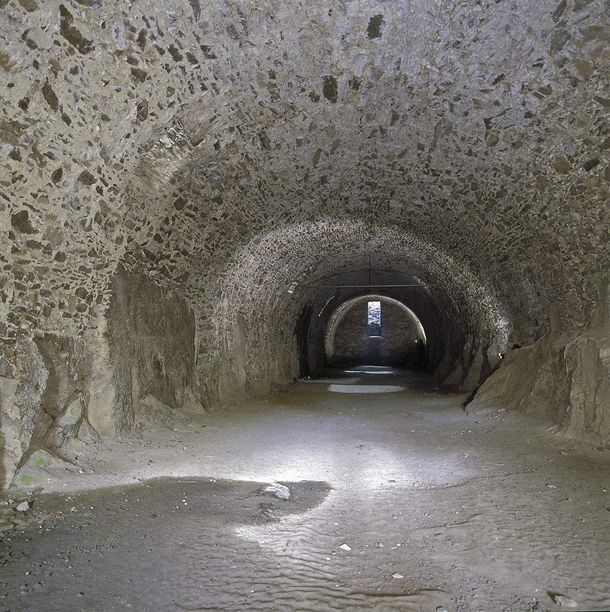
(373,321)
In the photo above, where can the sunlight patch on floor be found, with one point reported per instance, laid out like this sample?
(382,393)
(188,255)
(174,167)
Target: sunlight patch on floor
(366,388)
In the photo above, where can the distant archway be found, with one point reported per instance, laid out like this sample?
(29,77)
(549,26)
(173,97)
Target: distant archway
(375,329)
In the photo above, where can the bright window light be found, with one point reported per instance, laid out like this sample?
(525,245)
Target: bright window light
(373,321)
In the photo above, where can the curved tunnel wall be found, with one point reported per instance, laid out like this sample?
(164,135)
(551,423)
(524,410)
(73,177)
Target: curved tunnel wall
(257,285)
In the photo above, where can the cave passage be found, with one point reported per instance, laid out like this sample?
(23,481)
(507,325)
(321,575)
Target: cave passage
(304,305)
(380,316)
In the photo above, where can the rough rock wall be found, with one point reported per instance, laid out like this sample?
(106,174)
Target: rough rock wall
(81,108)
(192,129)
(137,362)
(501,167)
(20,399)
(151,335)
(565,376)
(44,398)
(82,105)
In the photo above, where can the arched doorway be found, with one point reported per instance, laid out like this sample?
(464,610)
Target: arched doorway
(375,330)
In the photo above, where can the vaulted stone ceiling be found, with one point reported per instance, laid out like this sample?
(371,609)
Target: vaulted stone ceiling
(478,127)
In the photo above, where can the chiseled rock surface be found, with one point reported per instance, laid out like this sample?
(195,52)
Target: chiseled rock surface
(588,369)
(20,405)
(565,376)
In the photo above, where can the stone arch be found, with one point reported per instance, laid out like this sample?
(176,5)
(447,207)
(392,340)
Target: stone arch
(415,331)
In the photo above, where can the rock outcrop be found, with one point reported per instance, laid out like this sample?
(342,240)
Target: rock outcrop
(565,376)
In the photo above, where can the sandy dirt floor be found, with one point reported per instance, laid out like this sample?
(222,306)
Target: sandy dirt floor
(399,501)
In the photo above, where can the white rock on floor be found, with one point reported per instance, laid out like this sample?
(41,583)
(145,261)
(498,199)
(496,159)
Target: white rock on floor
(563,601)
(279,491)
(23,506)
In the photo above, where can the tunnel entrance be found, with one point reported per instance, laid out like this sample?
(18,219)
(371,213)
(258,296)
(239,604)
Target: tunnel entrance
(380,316)
(374,330)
